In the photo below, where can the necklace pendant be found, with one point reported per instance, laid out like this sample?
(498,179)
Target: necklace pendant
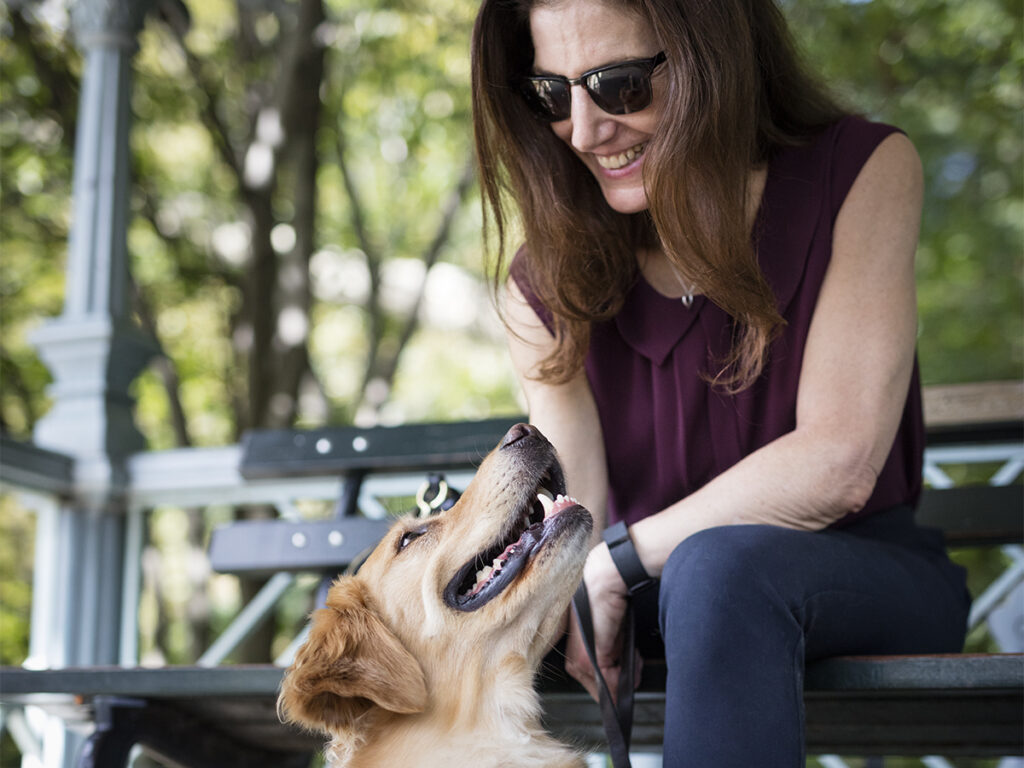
(687,300)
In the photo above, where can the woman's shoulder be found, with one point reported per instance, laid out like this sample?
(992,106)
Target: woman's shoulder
(858,129)
(521,277)
(847,141)
(855,139)
(807,186)
(832,159)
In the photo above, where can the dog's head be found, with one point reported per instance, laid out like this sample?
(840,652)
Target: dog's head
(478,590)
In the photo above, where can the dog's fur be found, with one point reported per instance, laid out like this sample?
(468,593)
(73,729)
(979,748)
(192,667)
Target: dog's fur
(399,675)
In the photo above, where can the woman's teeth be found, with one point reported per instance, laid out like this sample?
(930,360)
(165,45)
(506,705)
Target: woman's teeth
(621,160)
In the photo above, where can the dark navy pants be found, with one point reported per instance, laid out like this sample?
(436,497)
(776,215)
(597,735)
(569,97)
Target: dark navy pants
(741,609)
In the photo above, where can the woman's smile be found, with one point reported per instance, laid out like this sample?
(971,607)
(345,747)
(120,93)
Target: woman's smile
(621,160)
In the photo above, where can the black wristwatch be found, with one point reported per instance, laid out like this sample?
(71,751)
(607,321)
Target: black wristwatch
(625,558)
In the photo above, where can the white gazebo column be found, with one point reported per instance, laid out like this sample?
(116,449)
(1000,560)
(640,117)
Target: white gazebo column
(93,350)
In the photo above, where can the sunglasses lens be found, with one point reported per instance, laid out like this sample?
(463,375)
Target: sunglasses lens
(620,90)
(548,97)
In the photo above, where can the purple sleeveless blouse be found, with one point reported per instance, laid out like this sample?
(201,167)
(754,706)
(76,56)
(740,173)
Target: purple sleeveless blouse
(666,432)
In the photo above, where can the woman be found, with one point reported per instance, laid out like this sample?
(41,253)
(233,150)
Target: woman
(713,319)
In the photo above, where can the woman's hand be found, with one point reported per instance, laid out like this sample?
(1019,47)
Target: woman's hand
(608,596)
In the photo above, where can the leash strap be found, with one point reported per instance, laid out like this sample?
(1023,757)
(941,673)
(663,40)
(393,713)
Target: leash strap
(616,717)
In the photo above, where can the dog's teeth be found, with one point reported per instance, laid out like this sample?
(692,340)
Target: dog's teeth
(545,501)
(484,573)
(542,491)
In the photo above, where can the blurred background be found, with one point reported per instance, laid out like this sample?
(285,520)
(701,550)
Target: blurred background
(306,240)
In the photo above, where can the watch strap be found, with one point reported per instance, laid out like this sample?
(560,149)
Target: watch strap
(626,560)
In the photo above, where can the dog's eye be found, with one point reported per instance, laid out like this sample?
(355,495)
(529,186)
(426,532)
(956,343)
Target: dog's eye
(409,536)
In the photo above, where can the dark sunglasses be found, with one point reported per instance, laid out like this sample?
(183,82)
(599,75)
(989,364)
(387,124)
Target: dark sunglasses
(617,89)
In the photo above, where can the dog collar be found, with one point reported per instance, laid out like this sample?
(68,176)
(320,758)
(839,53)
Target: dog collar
(626,560)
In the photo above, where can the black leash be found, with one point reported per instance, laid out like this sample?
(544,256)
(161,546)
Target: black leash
(616,716)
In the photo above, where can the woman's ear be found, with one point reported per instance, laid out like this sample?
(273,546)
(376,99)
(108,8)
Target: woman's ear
(351,663)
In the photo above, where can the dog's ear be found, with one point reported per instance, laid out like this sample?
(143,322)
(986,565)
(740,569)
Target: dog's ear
(350,663)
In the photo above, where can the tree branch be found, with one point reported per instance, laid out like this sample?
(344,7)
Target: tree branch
(52,73)
(164,366)
(176,243)
(355,205)
(373,263)
(208,106)
(430,256)
(295,292)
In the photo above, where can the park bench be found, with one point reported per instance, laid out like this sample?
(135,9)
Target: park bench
(224,716)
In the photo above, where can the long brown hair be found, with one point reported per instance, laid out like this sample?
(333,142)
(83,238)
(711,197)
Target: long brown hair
(735,90)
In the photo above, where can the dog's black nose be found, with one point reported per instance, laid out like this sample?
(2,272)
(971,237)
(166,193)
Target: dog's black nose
(517,433)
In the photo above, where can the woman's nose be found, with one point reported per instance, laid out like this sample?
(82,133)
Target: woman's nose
(590,124)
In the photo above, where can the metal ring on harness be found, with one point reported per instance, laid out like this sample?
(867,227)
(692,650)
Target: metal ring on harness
(428,508)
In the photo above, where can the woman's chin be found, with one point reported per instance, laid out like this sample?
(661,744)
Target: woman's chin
(626,201)
(625,194)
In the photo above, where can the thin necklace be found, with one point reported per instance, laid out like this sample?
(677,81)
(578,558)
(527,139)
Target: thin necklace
(688,288)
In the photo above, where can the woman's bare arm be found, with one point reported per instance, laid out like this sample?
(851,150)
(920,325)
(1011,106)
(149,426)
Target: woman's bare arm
(565,413)
(856,371)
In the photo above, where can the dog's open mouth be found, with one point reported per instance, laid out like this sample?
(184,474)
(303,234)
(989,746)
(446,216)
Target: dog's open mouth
(541,517)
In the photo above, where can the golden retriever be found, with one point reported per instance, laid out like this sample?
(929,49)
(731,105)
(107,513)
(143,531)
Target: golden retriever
(426,657)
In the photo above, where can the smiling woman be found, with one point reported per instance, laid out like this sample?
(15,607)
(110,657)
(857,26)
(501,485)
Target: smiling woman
(713,320)
(569,39)
(672,187)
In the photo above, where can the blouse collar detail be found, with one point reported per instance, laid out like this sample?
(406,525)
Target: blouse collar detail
(653,324)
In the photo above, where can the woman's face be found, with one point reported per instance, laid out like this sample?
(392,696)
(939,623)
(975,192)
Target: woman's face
(573,36)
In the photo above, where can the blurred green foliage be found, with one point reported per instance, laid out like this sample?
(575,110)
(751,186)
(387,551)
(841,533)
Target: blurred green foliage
(17,534)
(951,74)
(395,98)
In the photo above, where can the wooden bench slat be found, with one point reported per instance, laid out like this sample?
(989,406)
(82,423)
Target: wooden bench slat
(160,682)
(971,724)
(847,674)
(917,673)
(975,723)
(264,547)
(975,515)
(337,450)
(987,402)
